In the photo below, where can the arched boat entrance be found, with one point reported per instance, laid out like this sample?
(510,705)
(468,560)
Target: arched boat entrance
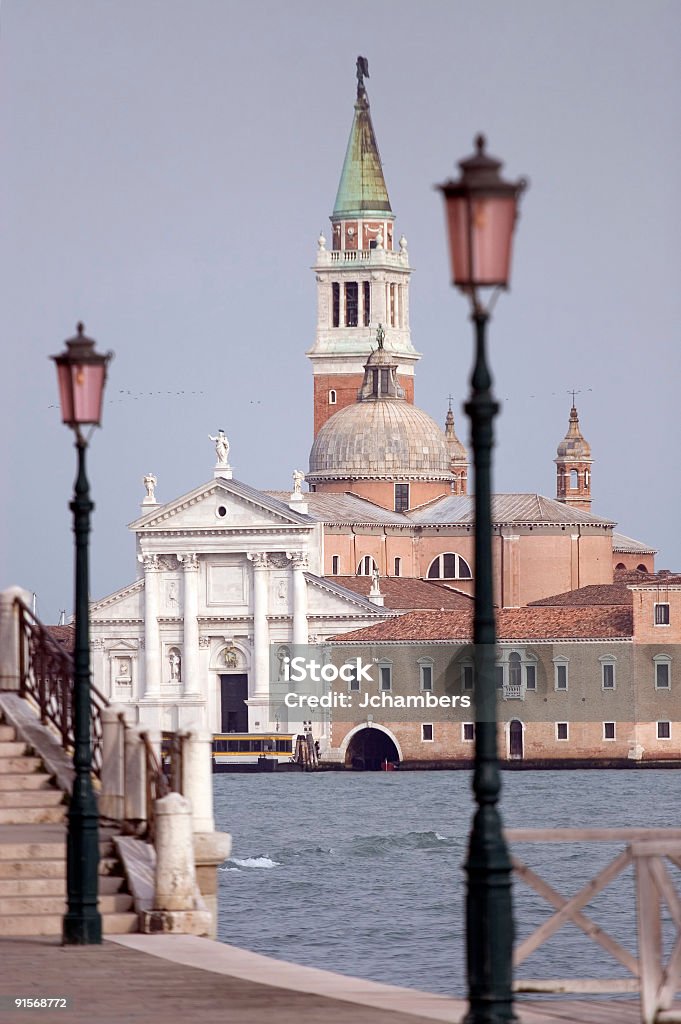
(369,749)
(515,735)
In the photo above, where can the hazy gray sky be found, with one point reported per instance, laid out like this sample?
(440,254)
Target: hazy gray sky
(168,166)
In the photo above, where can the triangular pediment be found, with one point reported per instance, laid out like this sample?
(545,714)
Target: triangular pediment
(126,603)
(220,505)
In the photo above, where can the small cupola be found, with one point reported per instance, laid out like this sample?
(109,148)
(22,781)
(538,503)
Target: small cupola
(458,454)
(380,374)
(573,467)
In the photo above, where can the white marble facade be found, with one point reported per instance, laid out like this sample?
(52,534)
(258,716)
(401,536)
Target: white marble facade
(222,573)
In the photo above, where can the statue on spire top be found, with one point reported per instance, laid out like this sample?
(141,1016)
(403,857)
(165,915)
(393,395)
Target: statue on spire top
(362,73)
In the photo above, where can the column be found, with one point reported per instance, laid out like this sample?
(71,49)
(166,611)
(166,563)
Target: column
(261,658)
(190,645)
(299,565)
(152,636)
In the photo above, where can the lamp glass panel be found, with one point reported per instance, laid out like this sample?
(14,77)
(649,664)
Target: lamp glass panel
(65,392)
(87,388)
(484,225)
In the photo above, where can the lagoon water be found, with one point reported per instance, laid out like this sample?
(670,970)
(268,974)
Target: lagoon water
(361,872)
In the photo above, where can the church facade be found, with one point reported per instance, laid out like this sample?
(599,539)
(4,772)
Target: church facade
(226,575)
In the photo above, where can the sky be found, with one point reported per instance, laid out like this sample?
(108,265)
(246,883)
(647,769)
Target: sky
(167,168)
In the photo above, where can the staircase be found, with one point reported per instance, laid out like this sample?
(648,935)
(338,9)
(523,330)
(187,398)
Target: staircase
(33,851)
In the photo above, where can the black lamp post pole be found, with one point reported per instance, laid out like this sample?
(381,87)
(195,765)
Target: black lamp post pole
(82,922)
(489,916)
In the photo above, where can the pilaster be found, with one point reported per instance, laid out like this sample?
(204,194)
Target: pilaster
(152,638)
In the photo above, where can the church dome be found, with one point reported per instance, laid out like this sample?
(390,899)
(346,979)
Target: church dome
(381,438)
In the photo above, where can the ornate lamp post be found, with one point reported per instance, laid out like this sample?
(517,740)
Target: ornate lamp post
(81,373)
(481,213)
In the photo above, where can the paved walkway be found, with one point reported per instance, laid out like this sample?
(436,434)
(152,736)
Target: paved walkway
(140,979)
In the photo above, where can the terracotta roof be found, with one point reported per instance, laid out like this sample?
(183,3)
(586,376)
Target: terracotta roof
(512,624)
(64,635)
(617,593)
(400,592)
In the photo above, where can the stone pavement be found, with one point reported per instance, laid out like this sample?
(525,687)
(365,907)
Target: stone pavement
(140,979)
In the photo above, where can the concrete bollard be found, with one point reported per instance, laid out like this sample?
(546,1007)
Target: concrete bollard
(135,791)
(197,778)
(112,795)
(10,666)
(175,872)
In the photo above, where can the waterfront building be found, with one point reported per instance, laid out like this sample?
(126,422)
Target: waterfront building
(583,677)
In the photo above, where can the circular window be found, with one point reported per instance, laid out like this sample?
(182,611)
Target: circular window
(221,511)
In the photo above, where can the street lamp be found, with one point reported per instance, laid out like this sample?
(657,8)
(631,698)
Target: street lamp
(481,212)
(81,373)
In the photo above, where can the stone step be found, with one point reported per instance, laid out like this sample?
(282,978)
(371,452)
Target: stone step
(51,924)
(37,850)
(116,903)
(7,733)
(12,748)
(32,815)
(108,885)
(12,765)
(50,868)
(31,798)
(14,782)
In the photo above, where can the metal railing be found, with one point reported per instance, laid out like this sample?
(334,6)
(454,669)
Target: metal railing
(651,852)
(46,679)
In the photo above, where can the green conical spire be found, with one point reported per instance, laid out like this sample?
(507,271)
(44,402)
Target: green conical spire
(362,190)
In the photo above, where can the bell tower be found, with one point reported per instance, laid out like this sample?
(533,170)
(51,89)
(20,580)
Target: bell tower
(362,279)
(573,466)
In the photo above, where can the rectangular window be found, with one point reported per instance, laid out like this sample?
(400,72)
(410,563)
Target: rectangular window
(366,287)
(335,565)
(561,676)
(351,293)
(499,676)
(467,677)
(385,677)
(398,567)
(562,730)
(608,730)
(426,732)
(662,614)
(608,675)
(401,497)
(335,302)
(392,313)
(468,731)
(664,730)
(353,684)
(662,675)
(426,677)
(531,677)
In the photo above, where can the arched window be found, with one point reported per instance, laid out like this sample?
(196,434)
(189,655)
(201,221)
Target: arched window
(641,568)
(449,567)
(619,566)
(587,477)
(514,669)
(366,566)
(574,479)
(332,397)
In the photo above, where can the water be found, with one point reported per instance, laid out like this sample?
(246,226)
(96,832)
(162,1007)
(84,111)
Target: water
(361,872)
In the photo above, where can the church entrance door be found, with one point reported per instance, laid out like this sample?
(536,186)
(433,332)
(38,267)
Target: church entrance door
(233,710)
(515,745)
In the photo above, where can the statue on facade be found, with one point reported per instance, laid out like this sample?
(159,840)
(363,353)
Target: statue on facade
(221,447)
(298,477)
(231,657)
(150,482)
(175,665)
(380,335)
